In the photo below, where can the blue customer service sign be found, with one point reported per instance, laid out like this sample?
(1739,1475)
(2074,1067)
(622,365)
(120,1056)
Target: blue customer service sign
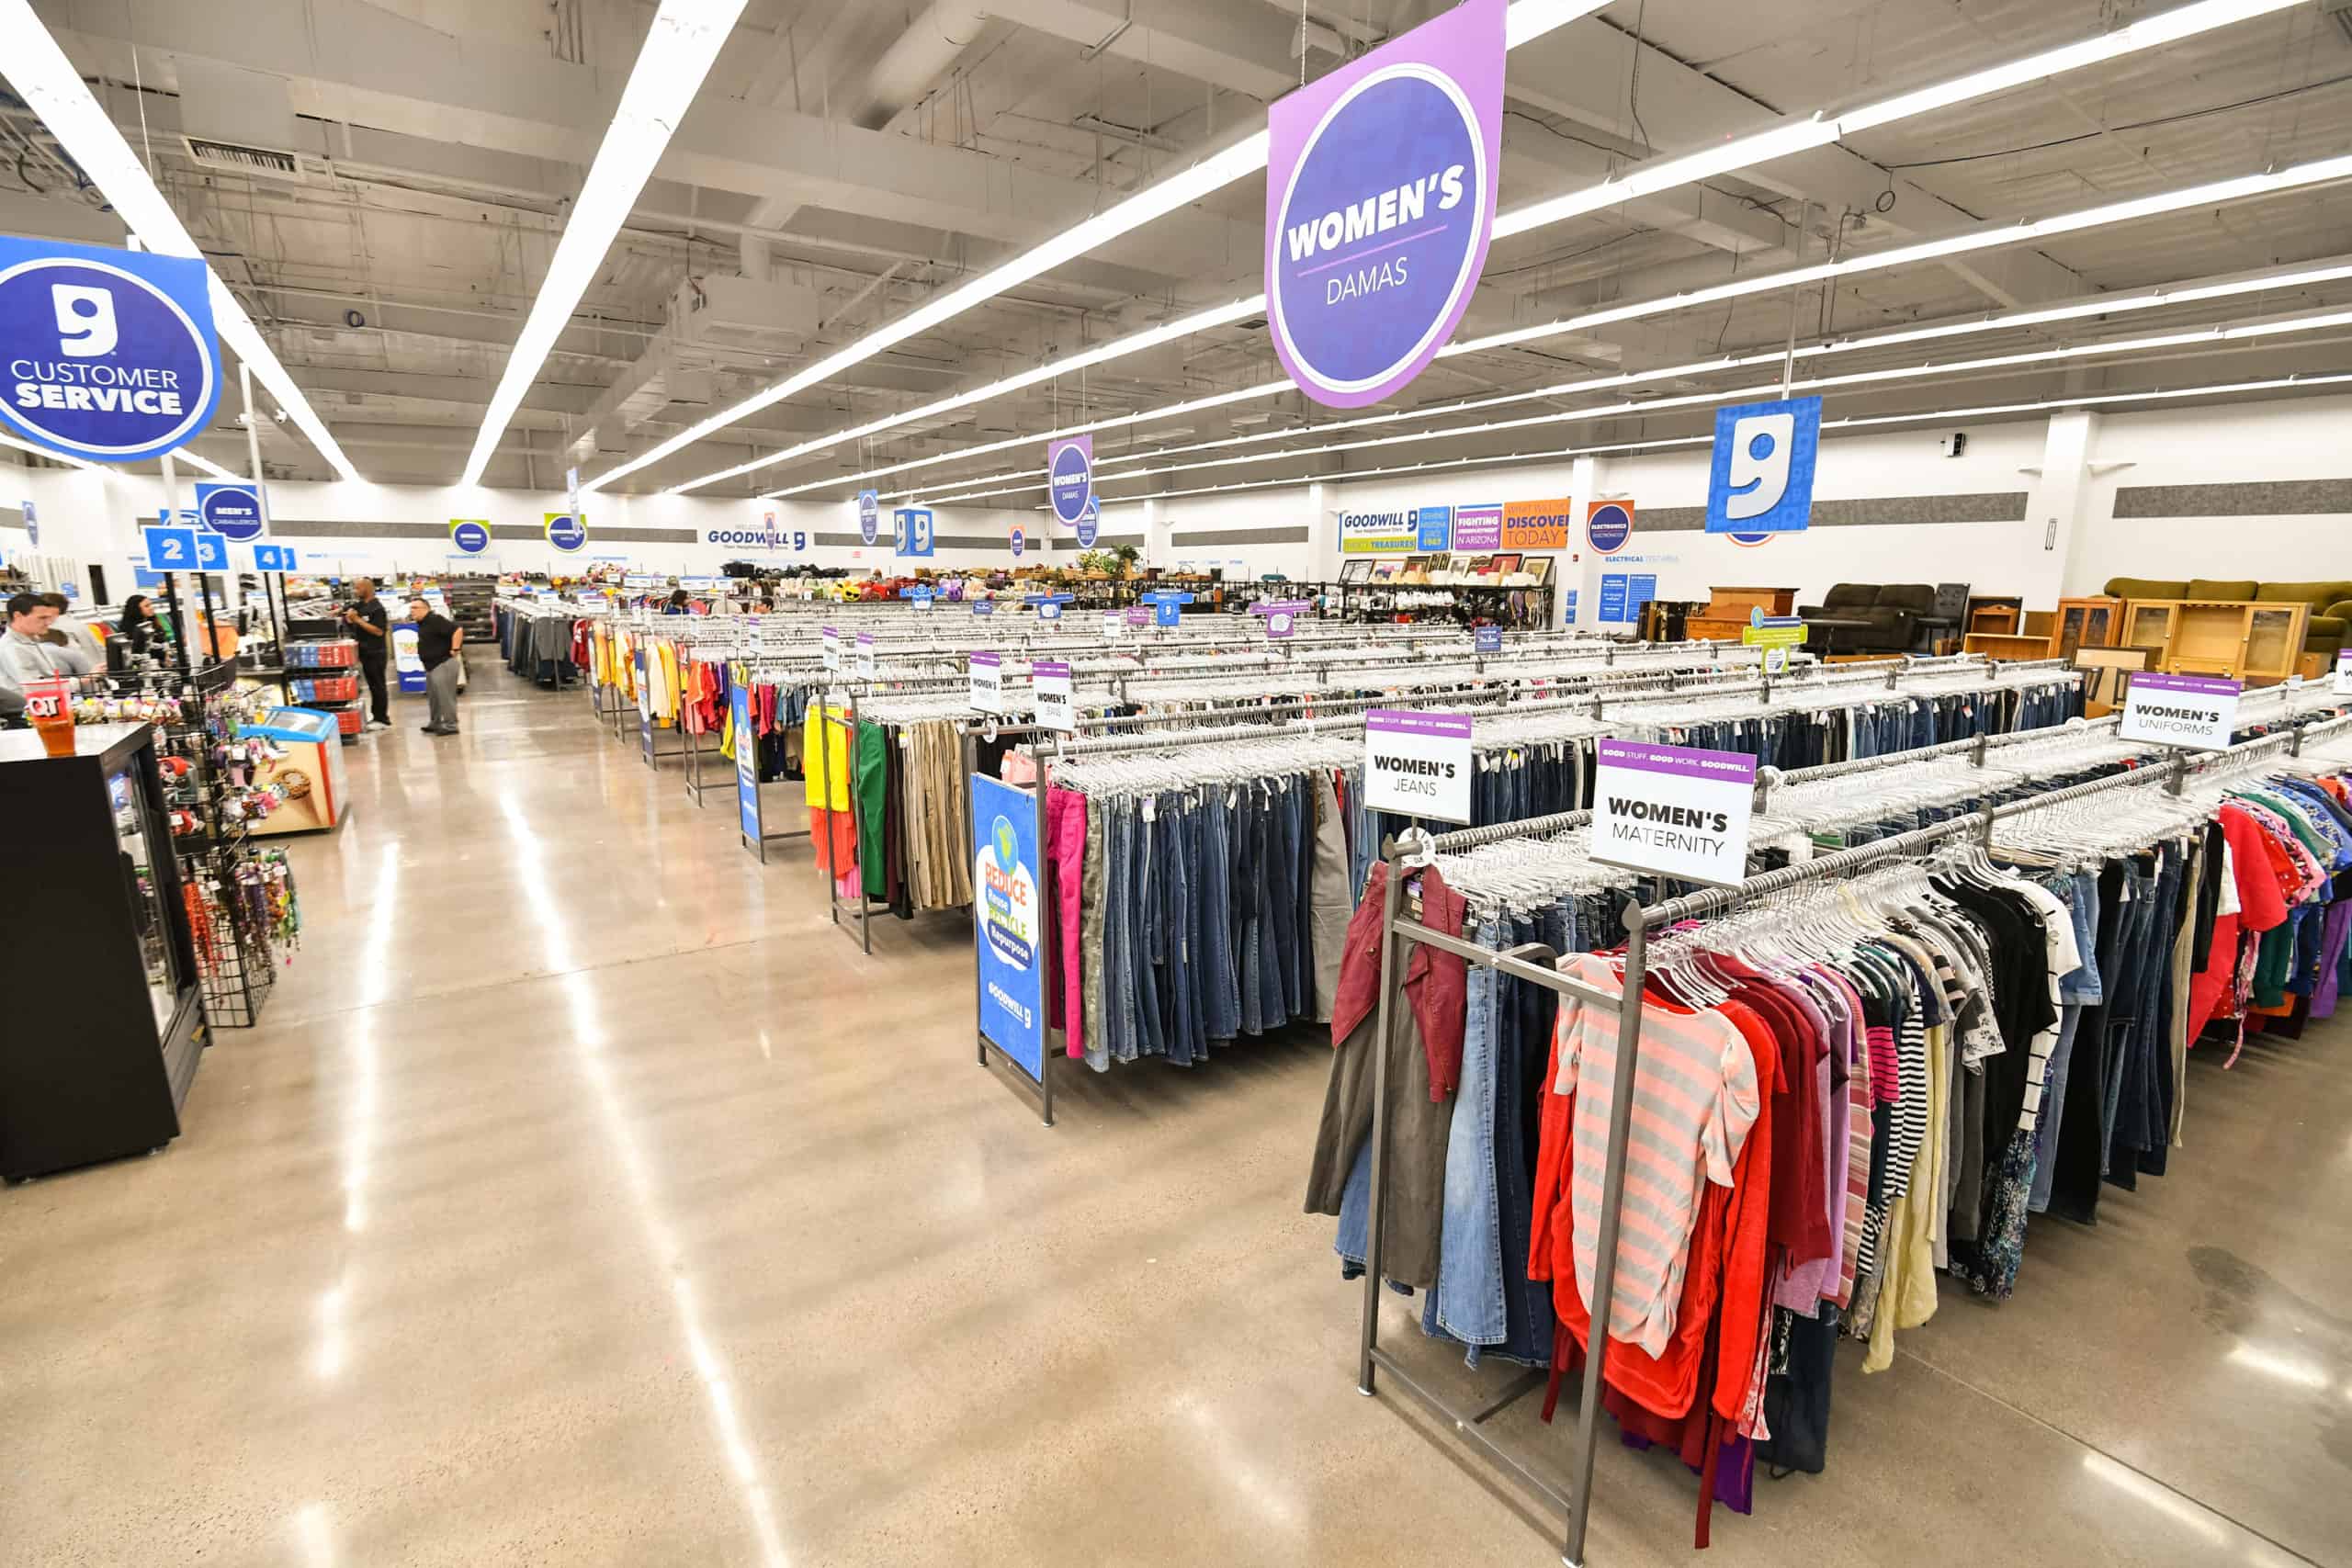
(109,356)
(232,511)
(1763,478)
(1380,203)
(1007,917)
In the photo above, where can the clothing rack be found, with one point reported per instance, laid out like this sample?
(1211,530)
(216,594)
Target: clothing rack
(1532,962)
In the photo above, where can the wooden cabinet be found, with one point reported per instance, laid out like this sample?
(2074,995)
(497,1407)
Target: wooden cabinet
(2259,644)
(1727,609)
(2084,622)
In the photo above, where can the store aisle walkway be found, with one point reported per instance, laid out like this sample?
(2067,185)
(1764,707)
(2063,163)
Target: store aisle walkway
(585,1198)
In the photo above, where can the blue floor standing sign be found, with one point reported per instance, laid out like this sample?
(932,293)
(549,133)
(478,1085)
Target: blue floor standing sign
(747,765)
(1007,917)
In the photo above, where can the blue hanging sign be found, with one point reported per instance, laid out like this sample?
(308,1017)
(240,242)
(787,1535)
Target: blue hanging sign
(869,515)
(171,549)
(1762,480)
(1167,607)
(109,355)
(469,535)
(273,558)
(566,531)
(232,511)
(1008,920)
(1380,204)
(1608,525)
(1069,476)
(1089,525)
(1020,542)
(32,526)
(911,527)
(747,767)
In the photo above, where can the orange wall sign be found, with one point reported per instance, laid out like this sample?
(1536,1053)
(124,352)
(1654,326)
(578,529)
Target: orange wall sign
(1535,524)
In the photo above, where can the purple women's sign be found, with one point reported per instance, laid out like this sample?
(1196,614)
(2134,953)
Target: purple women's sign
(1418,763)
(1380,203)
(1069,477)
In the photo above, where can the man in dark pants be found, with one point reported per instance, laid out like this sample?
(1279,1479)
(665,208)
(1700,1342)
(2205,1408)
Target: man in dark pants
(371,627)
(437,641)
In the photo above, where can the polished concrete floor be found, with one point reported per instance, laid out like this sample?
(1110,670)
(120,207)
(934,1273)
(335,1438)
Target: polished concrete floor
(585,1198)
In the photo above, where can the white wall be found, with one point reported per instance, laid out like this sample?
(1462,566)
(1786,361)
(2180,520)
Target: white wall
(91,516)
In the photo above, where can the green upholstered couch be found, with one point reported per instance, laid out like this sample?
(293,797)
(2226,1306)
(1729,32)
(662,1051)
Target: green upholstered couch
(2331,602)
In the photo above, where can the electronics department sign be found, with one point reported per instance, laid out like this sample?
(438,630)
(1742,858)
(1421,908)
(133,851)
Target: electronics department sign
(1380,203)
(566,531)
(1418,763)
(1008,921)
(1761,481)
(232,511)
(1675,810)
(1609,525)
(2198,712)
(108,355)
(1069,477)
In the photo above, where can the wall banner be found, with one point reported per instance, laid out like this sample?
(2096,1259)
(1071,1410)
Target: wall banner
(1397,532)
(1435,528)
(1478,527)
(109,355)
(1537,524)
(1380,204)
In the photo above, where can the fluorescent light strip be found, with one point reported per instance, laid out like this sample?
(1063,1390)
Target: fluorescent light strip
(679,49)
(47,81)
(1527,20)
(1979,411)
(2149,298)
(1215,316)
(1636,409)
(1649,179)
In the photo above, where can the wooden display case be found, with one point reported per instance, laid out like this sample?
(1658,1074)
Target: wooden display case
(1726,612)
(2258,643)
(2084,622)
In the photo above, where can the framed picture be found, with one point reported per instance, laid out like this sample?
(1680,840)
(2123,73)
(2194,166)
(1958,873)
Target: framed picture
(1540,569)
(1506,564)
(1358,570)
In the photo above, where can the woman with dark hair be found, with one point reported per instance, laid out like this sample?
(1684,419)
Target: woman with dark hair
(136,623)
(677,605)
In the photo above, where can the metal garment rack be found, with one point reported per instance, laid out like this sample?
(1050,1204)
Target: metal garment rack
(1523,963)
(826,719)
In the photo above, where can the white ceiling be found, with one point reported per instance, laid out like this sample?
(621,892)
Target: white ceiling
(849,158)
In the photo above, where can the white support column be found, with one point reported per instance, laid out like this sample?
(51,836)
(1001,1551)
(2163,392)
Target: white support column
(2057,502)
(1322,534)
(1159,525)
(1578,567)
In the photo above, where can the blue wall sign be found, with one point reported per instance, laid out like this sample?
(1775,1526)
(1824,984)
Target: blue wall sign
(1613,598)
(232,511)
(1608,525)
(142,578)
(747,763)
(869,517)
(1570,612)
(171,549)
(1435,528)
(1380,203)
(1008,921)
(1089,525)
(1763,478)
(911,529)
(1069,476)
(32,526)
(469,535)
(566,531)
(273,558)
(1640,589)
(108,355)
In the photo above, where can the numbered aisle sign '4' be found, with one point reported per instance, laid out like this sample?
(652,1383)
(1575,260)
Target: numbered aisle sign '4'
(106,355)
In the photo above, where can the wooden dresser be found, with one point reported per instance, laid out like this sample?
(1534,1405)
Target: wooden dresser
(1727,613)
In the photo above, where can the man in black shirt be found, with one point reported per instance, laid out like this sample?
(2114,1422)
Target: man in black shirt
(437,641)
(372,627)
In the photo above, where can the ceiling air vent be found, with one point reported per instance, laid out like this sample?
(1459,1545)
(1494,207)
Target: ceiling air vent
(244,160)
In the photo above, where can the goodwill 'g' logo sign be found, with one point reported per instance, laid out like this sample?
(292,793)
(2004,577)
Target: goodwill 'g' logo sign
(86,325)
(105,354)
(1762,480)
(1380,198)
(1008,848)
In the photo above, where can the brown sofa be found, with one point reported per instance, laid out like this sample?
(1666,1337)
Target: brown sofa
(2331,602)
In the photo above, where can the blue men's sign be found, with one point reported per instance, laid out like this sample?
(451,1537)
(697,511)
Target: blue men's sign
(105,354)
(1763,478)
(1008,917)
(469,535)
(1380,203)
(232,511)
(566,531)
(869,517)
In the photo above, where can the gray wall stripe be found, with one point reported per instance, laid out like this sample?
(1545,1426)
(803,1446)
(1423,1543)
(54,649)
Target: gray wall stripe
(1990,506)
(2272,498)
(1294,535)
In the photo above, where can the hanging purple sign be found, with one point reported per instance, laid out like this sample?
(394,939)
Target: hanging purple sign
(1069,476)
(1380,202)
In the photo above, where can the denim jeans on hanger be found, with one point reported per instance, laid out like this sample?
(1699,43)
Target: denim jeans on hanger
(1177,974)
(1467,1301)
(1220,987)
(1118,990)
(1151,1034)
(1266,876)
